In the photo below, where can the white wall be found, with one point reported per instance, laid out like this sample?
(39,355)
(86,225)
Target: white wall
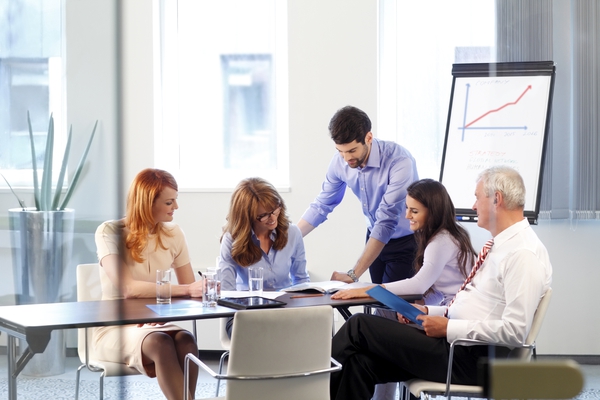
(333,63)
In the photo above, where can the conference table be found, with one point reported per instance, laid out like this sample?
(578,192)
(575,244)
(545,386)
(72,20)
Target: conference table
(34,323)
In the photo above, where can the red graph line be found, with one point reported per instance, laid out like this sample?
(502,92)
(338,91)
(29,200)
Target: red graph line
(499,108)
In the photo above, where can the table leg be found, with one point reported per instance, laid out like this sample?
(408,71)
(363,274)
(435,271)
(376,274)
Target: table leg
(345,312)
(12,379)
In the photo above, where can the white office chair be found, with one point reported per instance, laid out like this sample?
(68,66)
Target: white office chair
(89,289)
(278,353)
(226,344)
(418,386)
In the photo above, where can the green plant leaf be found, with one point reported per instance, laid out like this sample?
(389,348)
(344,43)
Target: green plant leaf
(21,202)
(36,187)
(46,192)
(78,170)
(63,170)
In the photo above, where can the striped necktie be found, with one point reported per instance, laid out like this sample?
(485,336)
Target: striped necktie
(480,259)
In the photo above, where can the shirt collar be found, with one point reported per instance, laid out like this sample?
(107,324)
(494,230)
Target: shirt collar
(510,232)
(374,160)
(272,236)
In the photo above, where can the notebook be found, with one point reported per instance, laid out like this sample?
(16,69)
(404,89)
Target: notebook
(396,303)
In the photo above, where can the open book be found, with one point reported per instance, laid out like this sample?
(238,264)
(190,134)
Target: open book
(325,286)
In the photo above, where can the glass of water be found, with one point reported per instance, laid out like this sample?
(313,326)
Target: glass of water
(163,286)
(217,272)
(209,296)
(255,281)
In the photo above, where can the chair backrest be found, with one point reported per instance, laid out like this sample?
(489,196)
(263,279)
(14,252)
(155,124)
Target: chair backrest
(279,341)
(536,325)
(223,336)
(88,289)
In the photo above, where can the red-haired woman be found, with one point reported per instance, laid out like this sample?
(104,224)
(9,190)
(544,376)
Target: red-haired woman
(130,251)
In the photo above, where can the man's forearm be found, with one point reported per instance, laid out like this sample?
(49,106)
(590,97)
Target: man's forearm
(370,253)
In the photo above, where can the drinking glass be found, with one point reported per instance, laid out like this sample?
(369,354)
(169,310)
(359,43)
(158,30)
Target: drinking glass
(163,286)
(217,272)
(255,281)
(209,296)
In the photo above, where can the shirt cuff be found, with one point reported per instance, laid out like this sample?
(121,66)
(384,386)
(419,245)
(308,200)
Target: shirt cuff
(314,217)
(456,329)
(436,310)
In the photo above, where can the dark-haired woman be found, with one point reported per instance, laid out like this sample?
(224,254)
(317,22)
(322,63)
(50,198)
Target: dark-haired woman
(444,256)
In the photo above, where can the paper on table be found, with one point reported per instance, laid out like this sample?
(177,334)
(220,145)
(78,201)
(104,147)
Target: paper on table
(179,309)
(325,286)
(396,303)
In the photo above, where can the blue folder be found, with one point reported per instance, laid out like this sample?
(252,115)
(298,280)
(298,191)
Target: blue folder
(396,303)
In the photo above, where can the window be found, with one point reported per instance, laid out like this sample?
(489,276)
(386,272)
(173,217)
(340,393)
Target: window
(224,92)
(30,80)
(416,57)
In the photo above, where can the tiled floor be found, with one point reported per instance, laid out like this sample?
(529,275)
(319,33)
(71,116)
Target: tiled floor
(591,372)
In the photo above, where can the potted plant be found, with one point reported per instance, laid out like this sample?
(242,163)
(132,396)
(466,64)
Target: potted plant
(42,236)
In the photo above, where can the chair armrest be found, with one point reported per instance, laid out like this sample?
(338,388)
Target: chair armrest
(190,357)
(467,342)
(336,366)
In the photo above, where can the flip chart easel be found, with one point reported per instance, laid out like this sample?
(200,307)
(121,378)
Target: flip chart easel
(499,115)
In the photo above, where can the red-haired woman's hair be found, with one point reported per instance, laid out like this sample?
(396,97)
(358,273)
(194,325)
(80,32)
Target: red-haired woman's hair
(143,192)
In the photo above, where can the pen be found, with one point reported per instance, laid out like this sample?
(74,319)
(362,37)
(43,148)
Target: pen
(299,296)
(199,273)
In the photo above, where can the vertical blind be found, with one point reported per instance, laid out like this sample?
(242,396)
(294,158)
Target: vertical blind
(569,34)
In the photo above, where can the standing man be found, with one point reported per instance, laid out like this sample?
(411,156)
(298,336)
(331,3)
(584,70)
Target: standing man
(496,305)
(378,172)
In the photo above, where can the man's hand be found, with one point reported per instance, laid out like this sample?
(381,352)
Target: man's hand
(402,319)
(434,326)
(341,276)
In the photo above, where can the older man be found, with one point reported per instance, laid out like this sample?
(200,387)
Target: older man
(497,304)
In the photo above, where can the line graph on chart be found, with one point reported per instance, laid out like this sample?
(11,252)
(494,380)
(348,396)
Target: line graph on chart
(498,107)
(472,125)
(494,120)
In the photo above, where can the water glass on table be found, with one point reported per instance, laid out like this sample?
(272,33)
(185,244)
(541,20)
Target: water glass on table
(255,281)
(163,286)
(217,272)
(209,295)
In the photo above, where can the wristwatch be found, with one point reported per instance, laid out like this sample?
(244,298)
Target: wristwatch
(352,275)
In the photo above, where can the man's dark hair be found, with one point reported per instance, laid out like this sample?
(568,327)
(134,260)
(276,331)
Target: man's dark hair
(349,124)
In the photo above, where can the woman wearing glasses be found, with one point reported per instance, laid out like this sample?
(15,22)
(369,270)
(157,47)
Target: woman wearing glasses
(258,232)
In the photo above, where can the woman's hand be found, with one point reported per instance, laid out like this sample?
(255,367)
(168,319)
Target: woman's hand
(196,288)
(351,293)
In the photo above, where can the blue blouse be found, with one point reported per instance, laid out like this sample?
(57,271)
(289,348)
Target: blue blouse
(282,268)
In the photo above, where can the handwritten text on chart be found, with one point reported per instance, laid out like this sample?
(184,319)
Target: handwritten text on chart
(482,159)
(496,134)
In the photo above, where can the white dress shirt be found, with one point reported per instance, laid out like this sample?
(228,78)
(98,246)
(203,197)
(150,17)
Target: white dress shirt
(499,303)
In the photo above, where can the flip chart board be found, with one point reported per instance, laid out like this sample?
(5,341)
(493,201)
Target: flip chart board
(499,115)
